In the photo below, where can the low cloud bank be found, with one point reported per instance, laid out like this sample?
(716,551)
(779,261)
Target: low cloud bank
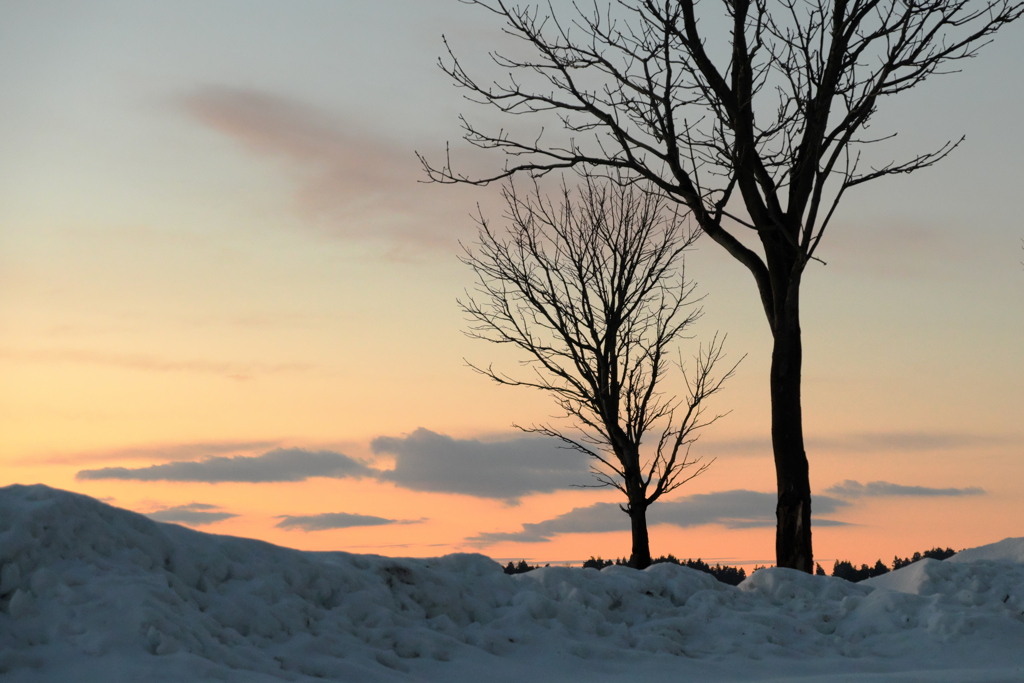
(507,470)
(193,514)
(855,489)
(337,520)
(278,465)
(424,461)
(738,509)
(862,442)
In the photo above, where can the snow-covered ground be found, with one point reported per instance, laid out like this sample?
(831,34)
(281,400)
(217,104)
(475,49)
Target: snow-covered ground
(90,592)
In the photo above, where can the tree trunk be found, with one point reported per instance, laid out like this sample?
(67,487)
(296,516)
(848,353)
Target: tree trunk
(640,558)
(793,511)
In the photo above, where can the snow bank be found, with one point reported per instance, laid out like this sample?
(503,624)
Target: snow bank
(89,592)
(1006,550)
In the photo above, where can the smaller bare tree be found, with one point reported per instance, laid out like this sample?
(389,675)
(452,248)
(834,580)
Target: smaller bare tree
(592,291)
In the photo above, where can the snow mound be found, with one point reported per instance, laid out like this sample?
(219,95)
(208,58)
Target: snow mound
(1006,550)
(89,592)
(962,597)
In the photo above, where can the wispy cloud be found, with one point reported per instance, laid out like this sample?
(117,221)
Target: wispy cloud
(350,183)
(193,514)
(912,249)
(855,489)
(738,509)
(149,363)
(749,446)
(426,461)
(278,465)
(337,520)
(177,451)
(906,441)
(863,442)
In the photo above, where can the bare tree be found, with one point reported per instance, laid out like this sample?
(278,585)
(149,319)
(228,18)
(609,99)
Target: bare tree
(753,115)
(592,292)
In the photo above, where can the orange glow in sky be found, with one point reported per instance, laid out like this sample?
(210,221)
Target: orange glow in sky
(213,244)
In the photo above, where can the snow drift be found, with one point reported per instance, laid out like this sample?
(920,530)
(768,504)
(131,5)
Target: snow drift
(89,592)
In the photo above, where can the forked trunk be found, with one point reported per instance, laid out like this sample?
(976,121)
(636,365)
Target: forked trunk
(793,511)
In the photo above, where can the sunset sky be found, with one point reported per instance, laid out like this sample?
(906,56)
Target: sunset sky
(227,301)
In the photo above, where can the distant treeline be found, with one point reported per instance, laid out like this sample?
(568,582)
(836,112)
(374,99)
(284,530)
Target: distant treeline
(730,575)
(842,569)
(845,570)
(521,568)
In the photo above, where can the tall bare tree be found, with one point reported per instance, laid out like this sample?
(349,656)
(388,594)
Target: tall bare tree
(591,291)
(751,113)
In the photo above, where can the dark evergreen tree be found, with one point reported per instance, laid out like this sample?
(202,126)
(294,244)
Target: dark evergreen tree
(597,563)
(520,568)
(934,553)
(843,569)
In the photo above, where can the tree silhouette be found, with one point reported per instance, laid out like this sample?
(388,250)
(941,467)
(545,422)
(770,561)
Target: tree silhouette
(591,292)
(751,113)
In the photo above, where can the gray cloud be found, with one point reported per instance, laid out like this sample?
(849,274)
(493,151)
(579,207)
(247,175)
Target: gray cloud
(281,464)
(593,519)
(855,489)
(193,514)
(739,509)
(426,461)
(337,520)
